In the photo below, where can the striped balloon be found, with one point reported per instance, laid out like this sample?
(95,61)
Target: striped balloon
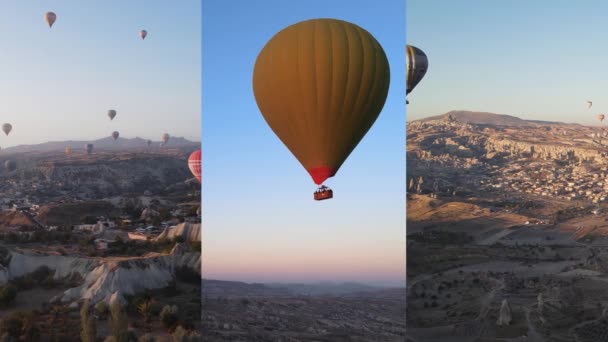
(416,66)
(194,163)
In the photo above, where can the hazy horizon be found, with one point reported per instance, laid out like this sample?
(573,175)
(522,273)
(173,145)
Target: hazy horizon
(520,116)
(509,59)
(378,284)
(58,83)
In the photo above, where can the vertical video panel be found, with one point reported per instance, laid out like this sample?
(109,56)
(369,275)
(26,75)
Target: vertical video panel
(506,164)
(304,171)
(99,209)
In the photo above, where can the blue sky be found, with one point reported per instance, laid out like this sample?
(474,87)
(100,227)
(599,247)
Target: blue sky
(539,59)
(58,83)
(261,223)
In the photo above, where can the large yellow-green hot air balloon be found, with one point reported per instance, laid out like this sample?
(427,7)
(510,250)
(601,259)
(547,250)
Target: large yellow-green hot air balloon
(320,85)
(416,66)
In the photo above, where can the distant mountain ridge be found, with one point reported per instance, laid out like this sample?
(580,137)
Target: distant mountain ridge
(217,288)
(107,143)
(485,118)
(324,288)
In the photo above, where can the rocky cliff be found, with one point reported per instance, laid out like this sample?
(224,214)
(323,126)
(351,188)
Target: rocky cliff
(188,231)
(103,277)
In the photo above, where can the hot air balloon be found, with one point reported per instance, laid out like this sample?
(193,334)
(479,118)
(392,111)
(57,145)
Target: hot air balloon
(589,104)
(143,34)
(416,66)
(89,148)
(111,114)
(10,165)
(68,151)
(7,128)
(601,117)
(50,18)
(320,85)
(194,164)
(149,143)
(115,135)
(165,138)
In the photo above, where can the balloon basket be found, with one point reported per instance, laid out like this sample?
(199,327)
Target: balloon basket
(323,193)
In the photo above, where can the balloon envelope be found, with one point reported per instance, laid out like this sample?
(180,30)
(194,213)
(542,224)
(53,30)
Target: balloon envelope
(320,85)
(115,135)
(589,104)
(194,164)
(50,18)
(416,66)
(601,117)
(165,137)
(111,114)
(143,34)
(7,128)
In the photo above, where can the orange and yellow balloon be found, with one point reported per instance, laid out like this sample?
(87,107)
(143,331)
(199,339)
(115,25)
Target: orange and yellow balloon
(320,85)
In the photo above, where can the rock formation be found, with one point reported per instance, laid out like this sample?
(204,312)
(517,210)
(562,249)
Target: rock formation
(104,278)
(504,315)
(188,231)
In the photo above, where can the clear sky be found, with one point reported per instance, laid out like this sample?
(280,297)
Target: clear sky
(539,59)
(59,83)
(261,223)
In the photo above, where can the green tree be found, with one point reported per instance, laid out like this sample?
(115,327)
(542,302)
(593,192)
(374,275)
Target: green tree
(182,335)
(119,323)
(88,331)
(169,315)
(145,310)
(8,293)
(102,309)
(146,338)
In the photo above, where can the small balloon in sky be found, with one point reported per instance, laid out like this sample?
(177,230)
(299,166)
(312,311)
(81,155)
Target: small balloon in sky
(50,18)
(7,128)
(111,114)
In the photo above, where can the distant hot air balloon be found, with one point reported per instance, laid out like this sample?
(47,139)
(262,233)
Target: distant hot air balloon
(89,148)
(143,34)
(115,135)
(165,138)
(50,18)
(320,85)
(7,128)
(194,164)
(601,117)
(10,165)
(416,66)
(589,104)
(111,114)
(149,143)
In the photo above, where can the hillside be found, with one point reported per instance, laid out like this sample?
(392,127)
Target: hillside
(100,144)
(484,118)
(102,174)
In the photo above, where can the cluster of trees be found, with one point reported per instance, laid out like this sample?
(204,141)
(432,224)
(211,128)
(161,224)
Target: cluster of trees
(118,322)
(39,236)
